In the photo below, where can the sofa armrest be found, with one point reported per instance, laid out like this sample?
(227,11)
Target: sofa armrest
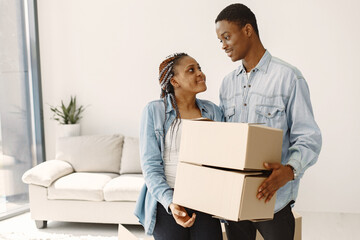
(47,172)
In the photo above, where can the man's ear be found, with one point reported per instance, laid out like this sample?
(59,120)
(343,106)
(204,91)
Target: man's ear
(248,30)
(174,82)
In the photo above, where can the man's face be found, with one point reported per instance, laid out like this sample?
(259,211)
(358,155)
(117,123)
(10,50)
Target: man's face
(234,39)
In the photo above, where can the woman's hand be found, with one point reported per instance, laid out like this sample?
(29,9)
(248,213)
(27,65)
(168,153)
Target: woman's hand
(181,217)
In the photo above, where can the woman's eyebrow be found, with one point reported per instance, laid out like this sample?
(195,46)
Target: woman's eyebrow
(190,65)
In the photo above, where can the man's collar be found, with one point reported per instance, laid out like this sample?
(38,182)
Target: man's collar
(262,65)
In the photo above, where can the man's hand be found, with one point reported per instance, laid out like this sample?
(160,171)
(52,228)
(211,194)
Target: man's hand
(181,217)
(279,177)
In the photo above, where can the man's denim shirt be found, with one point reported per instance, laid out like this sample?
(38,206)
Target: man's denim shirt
(277,95)
(152,146)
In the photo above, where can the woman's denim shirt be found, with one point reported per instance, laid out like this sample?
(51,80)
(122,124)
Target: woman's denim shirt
(152,146)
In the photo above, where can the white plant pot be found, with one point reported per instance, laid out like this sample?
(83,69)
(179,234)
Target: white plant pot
(68,130)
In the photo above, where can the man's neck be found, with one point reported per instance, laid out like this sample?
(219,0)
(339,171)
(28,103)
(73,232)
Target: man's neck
(253,58)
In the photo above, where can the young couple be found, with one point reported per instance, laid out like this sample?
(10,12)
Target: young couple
(262,89)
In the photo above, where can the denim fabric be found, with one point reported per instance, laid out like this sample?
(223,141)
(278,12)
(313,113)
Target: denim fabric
(277,95)
(152,142)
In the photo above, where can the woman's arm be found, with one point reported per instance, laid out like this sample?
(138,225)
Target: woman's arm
(151,159)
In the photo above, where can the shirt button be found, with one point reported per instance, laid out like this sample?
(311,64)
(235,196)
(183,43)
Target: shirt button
(245,104)
(249,85)
(269,114)
(244,86)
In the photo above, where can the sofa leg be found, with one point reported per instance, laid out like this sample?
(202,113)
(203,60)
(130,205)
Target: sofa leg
(40,224)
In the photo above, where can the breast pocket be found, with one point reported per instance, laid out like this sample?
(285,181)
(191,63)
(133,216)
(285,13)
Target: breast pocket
(273,116)
(229,114)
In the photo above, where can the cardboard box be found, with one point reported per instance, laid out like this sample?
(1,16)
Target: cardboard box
(239,146)
(298,226)
(297,235)
(226,194)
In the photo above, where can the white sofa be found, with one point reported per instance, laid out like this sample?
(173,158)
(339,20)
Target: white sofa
(92,179)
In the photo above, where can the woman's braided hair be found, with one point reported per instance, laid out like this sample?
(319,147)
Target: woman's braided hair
(166,72)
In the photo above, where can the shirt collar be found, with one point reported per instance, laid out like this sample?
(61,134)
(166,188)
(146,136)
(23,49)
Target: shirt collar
(201,106)
(262,65)
(169,106)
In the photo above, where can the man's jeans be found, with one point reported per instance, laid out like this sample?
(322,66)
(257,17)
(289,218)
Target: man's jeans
(282,227)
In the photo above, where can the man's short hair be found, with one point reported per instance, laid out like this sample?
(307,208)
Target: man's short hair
(239,14)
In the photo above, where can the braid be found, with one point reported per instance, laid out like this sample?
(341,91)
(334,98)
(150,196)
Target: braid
(166,72)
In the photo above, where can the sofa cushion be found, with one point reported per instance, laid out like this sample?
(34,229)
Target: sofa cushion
(80,186)
(130,159)
(96,153)
(124,188)
(47,172)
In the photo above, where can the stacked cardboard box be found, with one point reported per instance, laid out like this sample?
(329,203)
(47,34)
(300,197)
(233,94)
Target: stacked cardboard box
(218,169)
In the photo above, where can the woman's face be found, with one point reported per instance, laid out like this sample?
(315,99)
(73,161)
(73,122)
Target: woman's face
(188,78)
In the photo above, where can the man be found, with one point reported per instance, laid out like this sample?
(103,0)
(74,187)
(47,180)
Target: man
(265,89)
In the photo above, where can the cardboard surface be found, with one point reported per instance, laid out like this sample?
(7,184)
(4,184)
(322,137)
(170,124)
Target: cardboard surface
(227,194)
(123,233)
(255,209)
(229,145)
(298,226)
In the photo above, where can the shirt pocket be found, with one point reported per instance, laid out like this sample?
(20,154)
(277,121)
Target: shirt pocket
(271,115)
(229,114)
(269,112)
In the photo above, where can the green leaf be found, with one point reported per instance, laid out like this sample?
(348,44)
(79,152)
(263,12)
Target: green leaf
(67,114)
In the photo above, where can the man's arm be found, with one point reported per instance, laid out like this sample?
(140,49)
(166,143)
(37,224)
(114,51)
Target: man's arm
(305,135)
(305,142)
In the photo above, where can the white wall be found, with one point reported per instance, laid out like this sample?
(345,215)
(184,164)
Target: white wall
(107,52)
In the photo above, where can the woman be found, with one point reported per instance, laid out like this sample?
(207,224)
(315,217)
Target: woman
(180,79)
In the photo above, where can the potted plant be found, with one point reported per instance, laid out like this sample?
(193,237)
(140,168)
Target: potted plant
(68,118)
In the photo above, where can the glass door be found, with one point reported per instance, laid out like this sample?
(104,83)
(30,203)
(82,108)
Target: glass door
(19,105)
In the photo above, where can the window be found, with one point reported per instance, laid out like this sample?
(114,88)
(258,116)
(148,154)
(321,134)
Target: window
(21,125)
